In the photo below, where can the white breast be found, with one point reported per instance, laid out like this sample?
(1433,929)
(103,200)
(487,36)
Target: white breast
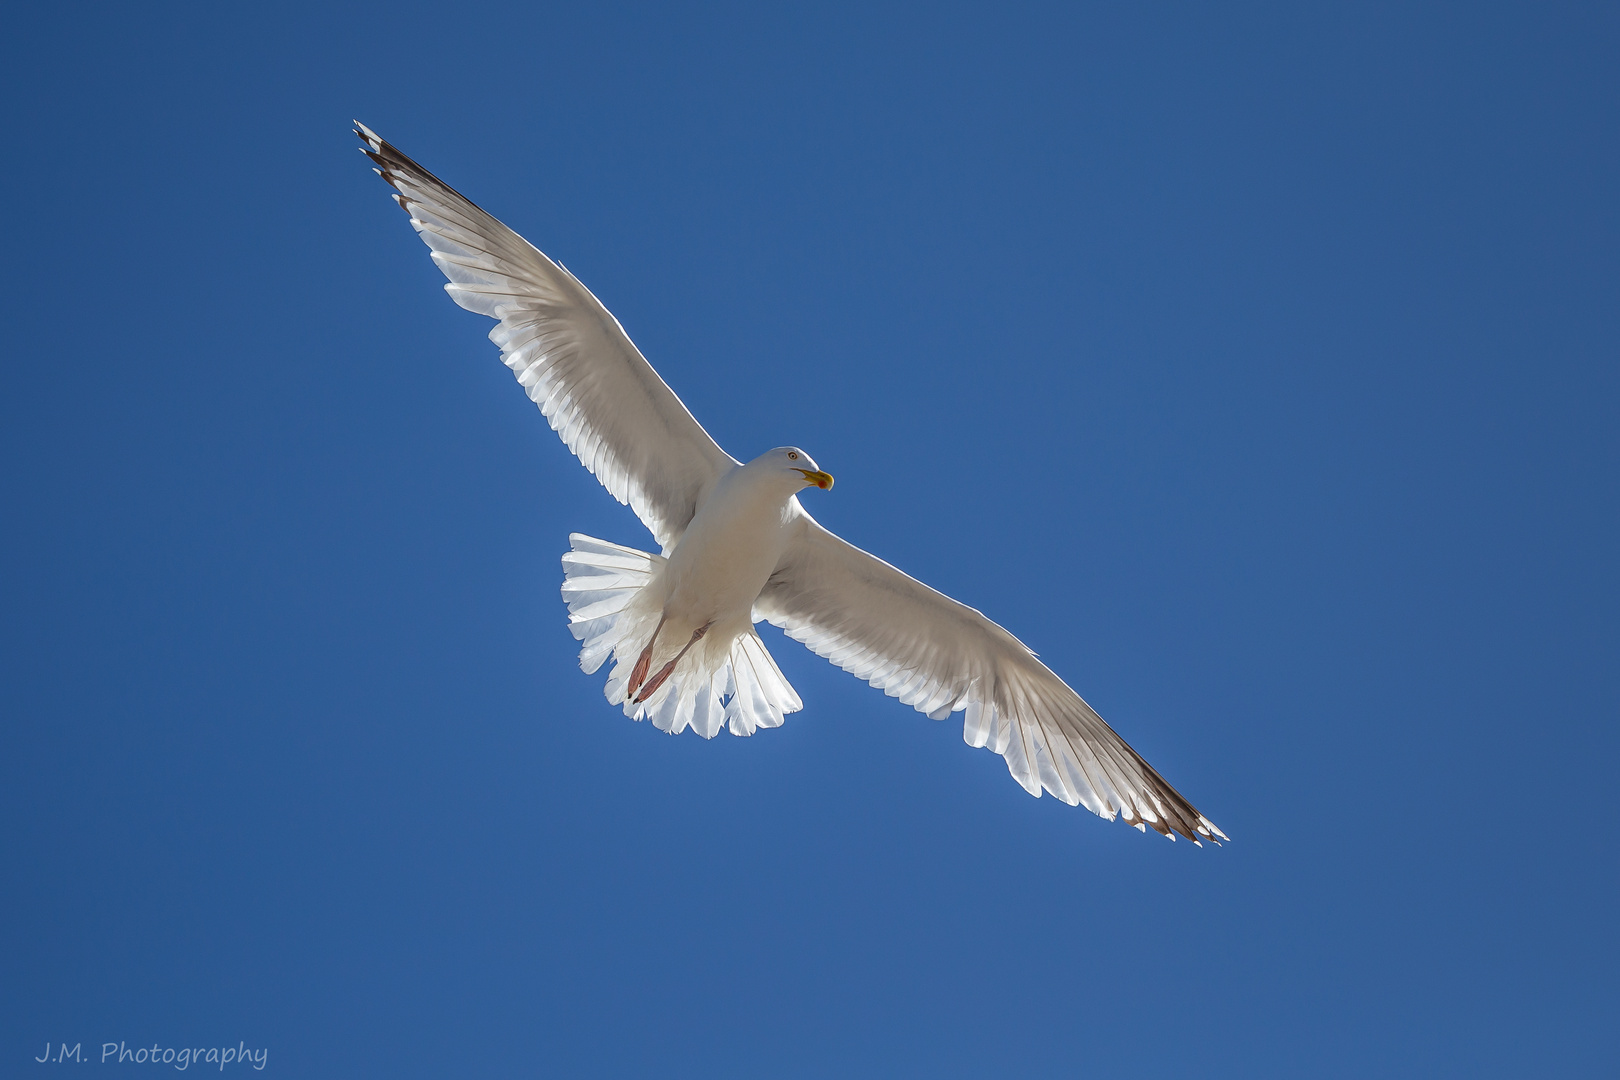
(728,552)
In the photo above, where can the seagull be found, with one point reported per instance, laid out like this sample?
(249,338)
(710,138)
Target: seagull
(737,548)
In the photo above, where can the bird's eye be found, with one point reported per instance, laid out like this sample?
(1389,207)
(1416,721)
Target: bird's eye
(792,456)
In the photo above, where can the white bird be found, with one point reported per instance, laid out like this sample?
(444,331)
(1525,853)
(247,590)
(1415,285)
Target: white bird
(738,548)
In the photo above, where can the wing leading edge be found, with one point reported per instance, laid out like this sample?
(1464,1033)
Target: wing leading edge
(568,352)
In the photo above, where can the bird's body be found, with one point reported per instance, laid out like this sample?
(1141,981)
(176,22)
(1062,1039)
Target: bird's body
(699,602)
(728,552)
(738,548)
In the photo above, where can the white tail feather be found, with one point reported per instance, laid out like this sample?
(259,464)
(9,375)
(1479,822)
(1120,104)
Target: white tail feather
(735,684)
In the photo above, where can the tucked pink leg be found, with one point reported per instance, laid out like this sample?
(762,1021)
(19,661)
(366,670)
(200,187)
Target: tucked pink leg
(669,669)
(638,674)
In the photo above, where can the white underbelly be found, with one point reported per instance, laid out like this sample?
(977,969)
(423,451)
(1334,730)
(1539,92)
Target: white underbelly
(716,572)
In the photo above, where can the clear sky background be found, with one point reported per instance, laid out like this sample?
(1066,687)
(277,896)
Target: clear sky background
(1256,365)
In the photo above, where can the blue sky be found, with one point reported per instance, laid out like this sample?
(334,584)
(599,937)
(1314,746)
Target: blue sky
(1255,365)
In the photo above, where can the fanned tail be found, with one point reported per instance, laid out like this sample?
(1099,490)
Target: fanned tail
(733,683)
(600,580)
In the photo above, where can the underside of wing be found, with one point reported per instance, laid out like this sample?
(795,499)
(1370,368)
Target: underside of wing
(940,656)
(568,352)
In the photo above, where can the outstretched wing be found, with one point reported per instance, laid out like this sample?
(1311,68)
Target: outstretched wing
(568,351)
(939,656)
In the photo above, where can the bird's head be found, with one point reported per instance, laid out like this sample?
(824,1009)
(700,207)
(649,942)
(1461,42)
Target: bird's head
(792,462)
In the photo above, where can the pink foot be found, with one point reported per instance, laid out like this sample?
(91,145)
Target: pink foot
(638,674)
(668,669)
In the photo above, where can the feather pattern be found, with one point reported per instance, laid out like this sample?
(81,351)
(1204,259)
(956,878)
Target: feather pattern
(568,352)
(940,656)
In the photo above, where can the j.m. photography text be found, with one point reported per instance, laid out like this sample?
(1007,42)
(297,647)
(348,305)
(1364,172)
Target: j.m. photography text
(181,1058)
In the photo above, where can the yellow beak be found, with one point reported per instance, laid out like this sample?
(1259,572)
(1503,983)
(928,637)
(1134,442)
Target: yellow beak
(822,480)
